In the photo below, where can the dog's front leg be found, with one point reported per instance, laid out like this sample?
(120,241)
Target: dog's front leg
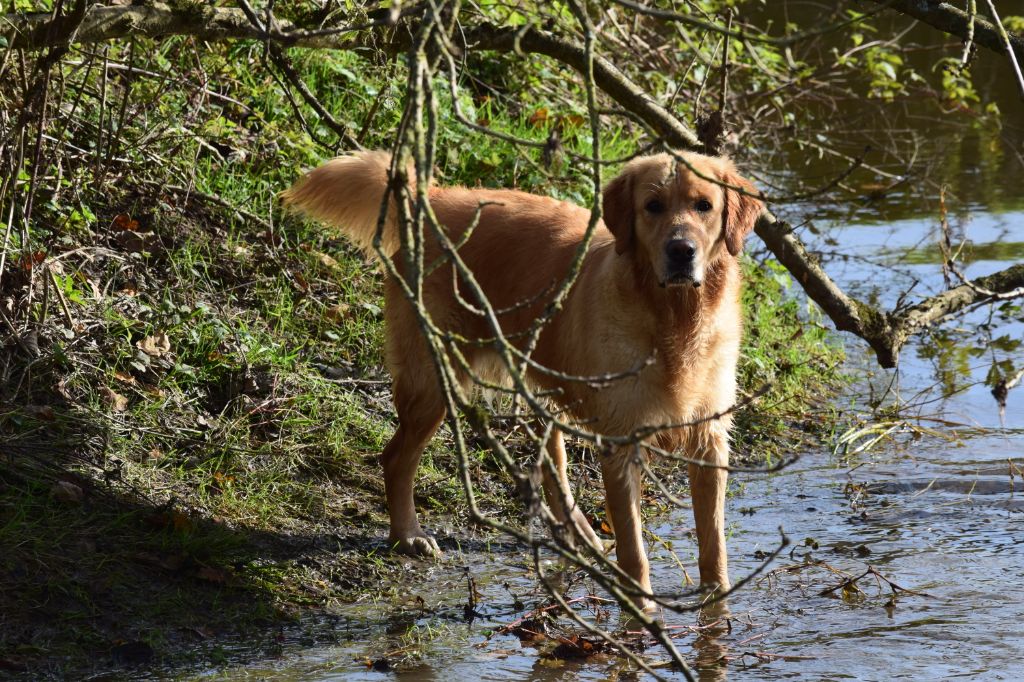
(622,487)
(708,483)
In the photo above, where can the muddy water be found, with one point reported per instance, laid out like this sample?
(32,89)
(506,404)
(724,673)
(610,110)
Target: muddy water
(950,527)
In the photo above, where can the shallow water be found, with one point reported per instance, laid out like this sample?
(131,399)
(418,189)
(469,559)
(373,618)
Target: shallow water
(945,522)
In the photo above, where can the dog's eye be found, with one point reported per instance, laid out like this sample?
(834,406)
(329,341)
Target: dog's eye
(703,205)
(654,206)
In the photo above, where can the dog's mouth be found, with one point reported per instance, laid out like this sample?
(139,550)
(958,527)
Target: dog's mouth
(680,279)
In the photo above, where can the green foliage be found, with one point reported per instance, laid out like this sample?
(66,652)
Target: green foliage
(1014,24)
(790,355)
(879,64)
(957,85)
(882,67)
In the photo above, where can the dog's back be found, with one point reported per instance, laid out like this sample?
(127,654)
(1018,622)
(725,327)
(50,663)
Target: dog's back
(521,246)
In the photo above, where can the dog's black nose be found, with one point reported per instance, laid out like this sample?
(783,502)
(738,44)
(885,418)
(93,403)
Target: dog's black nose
(680,251)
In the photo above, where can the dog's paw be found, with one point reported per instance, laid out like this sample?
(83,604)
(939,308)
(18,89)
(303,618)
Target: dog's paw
(715,586)
(648,607)
(590,537)
(582,533)
(416,545)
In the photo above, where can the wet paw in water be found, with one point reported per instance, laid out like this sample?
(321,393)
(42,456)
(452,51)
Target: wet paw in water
(416,545)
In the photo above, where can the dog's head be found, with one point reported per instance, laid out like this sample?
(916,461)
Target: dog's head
(680,215)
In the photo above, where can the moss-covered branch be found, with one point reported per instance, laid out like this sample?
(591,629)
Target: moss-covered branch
(951,301)
(951,19)
(40,30)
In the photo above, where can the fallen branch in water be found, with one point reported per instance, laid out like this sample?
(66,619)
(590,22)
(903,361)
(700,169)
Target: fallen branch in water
(851,583)
(848,581)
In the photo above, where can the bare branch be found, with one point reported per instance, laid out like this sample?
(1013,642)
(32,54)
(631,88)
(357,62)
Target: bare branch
(1008,283)
(35,31)
(953,20)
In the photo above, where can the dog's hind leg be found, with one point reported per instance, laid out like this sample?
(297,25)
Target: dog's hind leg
(558,493)
(420,411)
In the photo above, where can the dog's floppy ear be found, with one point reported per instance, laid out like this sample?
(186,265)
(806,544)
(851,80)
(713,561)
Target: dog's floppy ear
(741,209)
(617,207)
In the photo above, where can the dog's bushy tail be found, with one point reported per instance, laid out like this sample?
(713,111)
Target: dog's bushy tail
(346,193)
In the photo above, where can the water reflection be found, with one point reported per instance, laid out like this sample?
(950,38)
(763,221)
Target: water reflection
(710,647)
(909,147)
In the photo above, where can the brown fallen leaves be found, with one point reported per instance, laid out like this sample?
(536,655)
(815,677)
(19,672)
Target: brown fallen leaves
(126,234)
(578,646)
(114,400)
(67,492)
(182,563)
(156,345)
(185,565)
(538,630)
(42,412)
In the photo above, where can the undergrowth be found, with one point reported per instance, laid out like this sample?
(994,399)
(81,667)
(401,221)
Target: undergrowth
(191,417)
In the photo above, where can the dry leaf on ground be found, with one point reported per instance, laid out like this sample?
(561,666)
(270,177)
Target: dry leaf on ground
(67,492)
(113,399)
(156,345)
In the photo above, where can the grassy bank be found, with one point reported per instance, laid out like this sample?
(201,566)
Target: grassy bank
(192,411)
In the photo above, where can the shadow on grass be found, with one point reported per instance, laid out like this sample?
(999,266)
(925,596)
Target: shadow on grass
(96,579)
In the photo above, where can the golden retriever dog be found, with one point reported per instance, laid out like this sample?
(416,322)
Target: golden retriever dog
(660,281)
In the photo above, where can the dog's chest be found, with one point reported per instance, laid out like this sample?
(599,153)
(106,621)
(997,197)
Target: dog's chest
(652,380)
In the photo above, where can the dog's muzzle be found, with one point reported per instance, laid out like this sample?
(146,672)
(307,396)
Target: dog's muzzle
(680,263)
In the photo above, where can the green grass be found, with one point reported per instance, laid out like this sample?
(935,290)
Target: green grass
(227,481)
(788,354)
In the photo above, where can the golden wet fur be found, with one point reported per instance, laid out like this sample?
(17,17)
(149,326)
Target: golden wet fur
(660,281)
